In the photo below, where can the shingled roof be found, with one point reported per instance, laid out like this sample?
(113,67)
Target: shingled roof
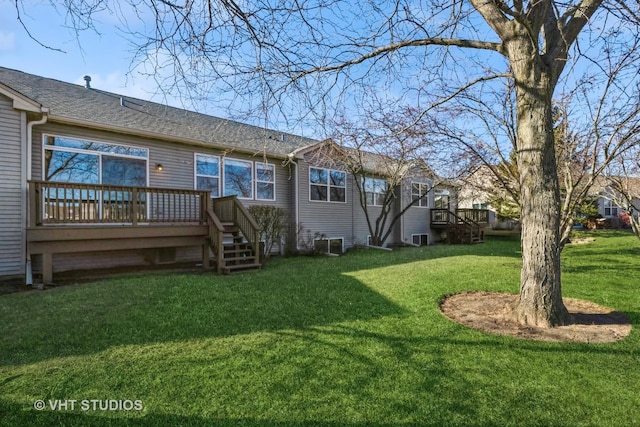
(71,103)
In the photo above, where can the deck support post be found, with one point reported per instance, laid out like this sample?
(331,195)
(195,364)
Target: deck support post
(205,256)
(47,269)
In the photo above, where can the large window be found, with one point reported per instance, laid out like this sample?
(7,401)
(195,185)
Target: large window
(375,190)
(89,162)
(238,178)
(208,174)
(419,196)
(327,185)
(78,161)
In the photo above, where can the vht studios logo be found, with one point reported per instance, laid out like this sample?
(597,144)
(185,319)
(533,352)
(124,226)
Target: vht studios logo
(88,405)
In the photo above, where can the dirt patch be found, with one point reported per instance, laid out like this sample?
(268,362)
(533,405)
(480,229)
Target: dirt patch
(491,312)
(582,241)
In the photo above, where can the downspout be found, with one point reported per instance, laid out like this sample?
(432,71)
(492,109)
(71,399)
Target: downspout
(30,125)
(402,239)
(296,198)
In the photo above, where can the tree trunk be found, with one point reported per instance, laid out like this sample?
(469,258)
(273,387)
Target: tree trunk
(540,301)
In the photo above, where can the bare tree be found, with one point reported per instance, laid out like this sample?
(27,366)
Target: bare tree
(336,53)
(384,152)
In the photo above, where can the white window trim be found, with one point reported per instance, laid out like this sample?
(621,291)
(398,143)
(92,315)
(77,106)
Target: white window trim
(224,176)
(256,181)
(328,185)
(98,154)
(610,204)
(328,240)
(196,174)
(46,147)
(420,234)
(386,186)
(425,199)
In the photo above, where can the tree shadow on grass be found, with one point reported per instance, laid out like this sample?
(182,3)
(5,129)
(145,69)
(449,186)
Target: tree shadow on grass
(84,319)
(15,415)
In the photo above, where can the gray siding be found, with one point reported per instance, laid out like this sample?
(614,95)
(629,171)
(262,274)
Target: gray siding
(330,219)
(417,219)
(12,200)
(178,171)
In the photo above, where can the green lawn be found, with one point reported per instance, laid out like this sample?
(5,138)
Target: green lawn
(350,341)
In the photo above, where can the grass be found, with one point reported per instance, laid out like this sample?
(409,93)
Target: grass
(350,341)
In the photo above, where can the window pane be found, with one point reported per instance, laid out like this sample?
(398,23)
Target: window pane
(379,199)
(58,141)
(208,184)
(238,178)
(206,165)
(122,171)
(337,194)
(62,166)
(318,192)
(369,196)
(265,191)
(265,172)
(338,178)
(318,176)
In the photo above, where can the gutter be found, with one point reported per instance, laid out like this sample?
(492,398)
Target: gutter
(29,147)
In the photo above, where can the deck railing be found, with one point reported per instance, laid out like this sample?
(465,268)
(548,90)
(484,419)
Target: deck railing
(445,216)
(229,209)
(464,225)
(480,216)
(73,203)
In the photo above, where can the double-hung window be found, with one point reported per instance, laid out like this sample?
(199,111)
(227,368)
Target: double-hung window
(327,185)
(375,191)
(208,174)
(419,196)
(265,181)
(441,199)
(235,177)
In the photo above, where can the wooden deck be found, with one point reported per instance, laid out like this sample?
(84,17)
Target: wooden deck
(71,218)
(462,225)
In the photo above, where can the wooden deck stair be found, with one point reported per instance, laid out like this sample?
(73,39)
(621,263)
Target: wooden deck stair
(237,252)
(233,236)
(465,226)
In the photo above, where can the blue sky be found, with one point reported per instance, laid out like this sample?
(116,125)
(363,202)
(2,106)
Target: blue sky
(106,57)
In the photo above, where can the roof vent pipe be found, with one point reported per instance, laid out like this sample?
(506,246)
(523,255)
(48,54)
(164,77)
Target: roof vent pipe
(87,80)
(122,101)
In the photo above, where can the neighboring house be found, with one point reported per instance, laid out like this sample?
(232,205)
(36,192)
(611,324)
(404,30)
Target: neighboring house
(479,186)
(475,192)
(92,179)
(610,202)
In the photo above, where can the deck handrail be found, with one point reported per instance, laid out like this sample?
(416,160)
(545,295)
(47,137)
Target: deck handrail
(229,209)
(216,235)
(77,203)
(479,216)
(466,220)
